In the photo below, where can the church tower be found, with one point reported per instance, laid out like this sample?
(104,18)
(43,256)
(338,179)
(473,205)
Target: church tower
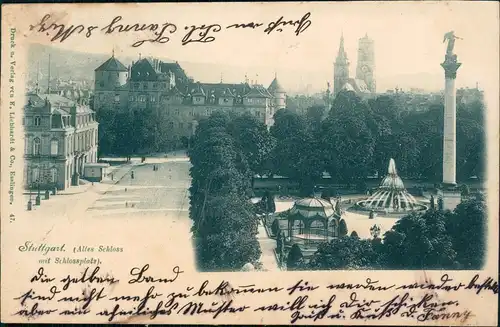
(365,69)
(340,68)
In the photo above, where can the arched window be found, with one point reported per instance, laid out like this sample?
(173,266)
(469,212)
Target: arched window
(37,146)
(38,121)
(54,147)
(53,174)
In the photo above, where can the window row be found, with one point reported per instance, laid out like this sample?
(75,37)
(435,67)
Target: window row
(80,120)
(207,112)
(79,142)
(38,176)
(146,85)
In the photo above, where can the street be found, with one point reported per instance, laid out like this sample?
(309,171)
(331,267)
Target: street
(162,191)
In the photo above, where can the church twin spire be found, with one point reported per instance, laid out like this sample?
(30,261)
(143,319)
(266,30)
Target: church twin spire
(342,55)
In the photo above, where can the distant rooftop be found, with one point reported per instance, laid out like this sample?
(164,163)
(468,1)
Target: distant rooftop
(112,64)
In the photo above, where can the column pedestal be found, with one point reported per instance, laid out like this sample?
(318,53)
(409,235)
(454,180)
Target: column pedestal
(451,197)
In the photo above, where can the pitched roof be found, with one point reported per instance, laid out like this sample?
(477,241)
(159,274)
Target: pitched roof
(275,86)
(258,92)
(357,85)
(59,104)
(112,64)
(218,89)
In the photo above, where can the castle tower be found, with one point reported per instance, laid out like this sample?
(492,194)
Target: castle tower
(278,93)
(366,62)
(110,79)
(340,68)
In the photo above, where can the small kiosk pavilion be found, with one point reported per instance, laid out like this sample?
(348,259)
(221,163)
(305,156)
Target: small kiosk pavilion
(312,220)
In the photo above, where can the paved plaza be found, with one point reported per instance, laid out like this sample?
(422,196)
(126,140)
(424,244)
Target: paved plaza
(142,215)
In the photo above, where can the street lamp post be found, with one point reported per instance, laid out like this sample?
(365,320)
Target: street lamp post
(37,199)
(30,203)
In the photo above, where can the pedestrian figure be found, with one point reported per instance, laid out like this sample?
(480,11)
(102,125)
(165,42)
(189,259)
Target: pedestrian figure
(132,175)
(125,189)
(126,204)
(92,183)
(112,178)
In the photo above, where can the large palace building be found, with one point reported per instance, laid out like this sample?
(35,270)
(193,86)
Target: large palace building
(60,138)
(150,84)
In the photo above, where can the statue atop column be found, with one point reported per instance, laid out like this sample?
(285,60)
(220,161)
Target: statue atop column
(450,37)
(450,63)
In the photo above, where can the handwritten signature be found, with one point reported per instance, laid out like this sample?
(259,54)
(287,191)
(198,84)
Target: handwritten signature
(161,33)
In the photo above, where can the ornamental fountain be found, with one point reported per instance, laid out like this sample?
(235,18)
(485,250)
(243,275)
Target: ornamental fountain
(391,196)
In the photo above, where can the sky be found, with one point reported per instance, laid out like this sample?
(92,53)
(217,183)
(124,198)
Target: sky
(408,39)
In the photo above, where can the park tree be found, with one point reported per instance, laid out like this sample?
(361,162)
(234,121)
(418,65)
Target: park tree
(125,143)
(470,147)
(225,225)
(343,228)
(275,226)
(107,132)
(346,252)
(253,139)
(464,190)
(346,139)
(426,127)
(297,152)
(295,259)
(440,204)
(266,204)
(315,115)
(467,229)
(419,241)
(226,251)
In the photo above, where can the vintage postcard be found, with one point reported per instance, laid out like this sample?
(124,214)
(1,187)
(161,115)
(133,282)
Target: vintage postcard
(250,163)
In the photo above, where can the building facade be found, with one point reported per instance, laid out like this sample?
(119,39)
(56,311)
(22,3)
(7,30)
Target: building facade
(164,88)
(364,84)
(60,137)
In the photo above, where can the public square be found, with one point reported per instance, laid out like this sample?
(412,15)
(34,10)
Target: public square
(153,206)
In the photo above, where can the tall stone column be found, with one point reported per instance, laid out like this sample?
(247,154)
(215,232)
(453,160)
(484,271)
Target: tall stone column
(448,192)
(450,66)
